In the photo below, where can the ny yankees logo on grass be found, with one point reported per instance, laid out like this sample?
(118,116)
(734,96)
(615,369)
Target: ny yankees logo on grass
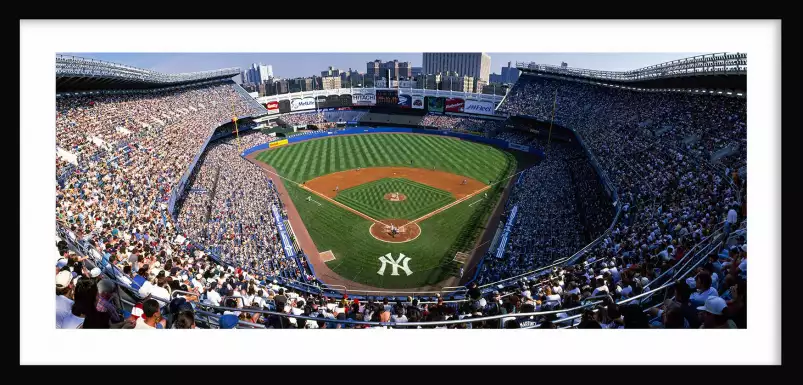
(400,263)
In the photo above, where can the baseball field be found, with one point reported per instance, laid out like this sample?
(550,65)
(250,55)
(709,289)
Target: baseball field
(391,210)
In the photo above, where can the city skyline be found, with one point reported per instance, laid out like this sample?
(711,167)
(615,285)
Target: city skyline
(294,65)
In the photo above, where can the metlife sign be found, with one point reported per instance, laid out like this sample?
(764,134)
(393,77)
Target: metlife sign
(286,243)
(302,104)
(366,99)
(478,107)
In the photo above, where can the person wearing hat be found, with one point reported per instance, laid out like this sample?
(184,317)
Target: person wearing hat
(64,297)
(714,314)
(151,316)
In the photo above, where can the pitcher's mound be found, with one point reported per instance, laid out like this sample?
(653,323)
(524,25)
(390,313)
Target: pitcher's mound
(395,197)
(405,231)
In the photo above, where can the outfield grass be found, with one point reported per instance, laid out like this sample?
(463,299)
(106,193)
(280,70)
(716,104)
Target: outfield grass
(307,160)
(369,199)
(347,235)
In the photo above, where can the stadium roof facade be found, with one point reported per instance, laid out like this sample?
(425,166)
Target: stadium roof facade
(723,71)
(81,74)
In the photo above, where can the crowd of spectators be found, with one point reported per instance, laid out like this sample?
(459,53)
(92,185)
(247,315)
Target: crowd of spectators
(670,200)
(304,118)
(557,214)
(461,123)
(227,207)
(132,150)
(699,124)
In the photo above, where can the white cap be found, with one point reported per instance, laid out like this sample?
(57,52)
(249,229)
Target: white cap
(714,305)
(63,279)
(61,262)
(94,272)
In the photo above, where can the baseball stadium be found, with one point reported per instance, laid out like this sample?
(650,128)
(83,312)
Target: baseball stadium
(566,198)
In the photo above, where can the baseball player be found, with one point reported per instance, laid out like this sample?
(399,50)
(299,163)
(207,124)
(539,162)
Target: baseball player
(486,195)
(411,162)
(309,198)
(337,188)
(464,182)
(461,271)
(358,168)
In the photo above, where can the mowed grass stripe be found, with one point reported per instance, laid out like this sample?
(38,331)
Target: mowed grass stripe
(447,159)
(350,156)
(298,160)
(366,158)
(409,143)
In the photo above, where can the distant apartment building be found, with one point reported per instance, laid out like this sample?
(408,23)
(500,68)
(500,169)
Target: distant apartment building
(397,69)
(453,81)
(475,65)
(509,75)
(428,82)
(330,82)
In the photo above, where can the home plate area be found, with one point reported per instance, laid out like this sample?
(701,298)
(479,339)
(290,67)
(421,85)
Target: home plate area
(395,230)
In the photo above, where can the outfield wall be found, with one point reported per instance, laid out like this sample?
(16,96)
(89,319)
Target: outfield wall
(399,130)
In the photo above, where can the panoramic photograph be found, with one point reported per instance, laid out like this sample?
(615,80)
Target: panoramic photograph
(451,190)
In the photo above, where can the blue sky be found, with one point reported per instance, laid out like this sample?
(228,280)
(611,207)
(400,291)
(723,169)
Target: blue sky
(289,65)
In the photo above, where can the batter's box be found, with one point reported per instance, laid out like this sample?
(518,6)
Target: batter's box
(461,257)
(327,256)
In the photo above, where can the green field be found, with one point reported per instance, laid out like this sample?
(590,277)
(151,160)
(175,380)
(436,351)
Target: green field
(369,198)
(347,234)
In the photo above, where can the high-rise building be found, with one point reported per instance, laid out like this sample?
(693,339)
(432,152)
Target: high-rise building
(475,65)
(405,71)
(397,69)
(453,81)
(478,84)
(330,82)
(332,71)
(428,82)
(509,75)
(417,71)
(301,84)
(258,73)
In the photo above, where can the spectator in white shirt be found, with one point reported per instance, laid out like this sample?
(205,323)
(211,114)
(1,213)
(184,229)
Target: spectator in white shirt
(702,284)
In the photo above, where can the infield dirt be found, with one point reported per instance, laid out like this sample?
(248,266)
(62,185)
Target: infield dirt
(451,183)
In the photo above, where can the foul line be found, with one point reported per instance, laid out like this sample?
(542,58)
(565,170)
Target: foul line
(480,200)
(341,205)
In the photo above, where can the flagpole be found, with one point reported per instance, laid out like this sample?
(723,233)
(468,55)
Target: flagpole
(236,130)
(549,141)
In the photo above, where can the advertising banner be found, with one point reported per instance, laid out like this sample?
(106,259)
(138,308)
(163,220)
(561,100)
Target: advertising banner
(302,104)
(500,251)
(387,97)
(277,143)
(286,243)
(405,101)
(364,99)
(418,102)
(479,107)
(273,108)
(455,104)
(435,103)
